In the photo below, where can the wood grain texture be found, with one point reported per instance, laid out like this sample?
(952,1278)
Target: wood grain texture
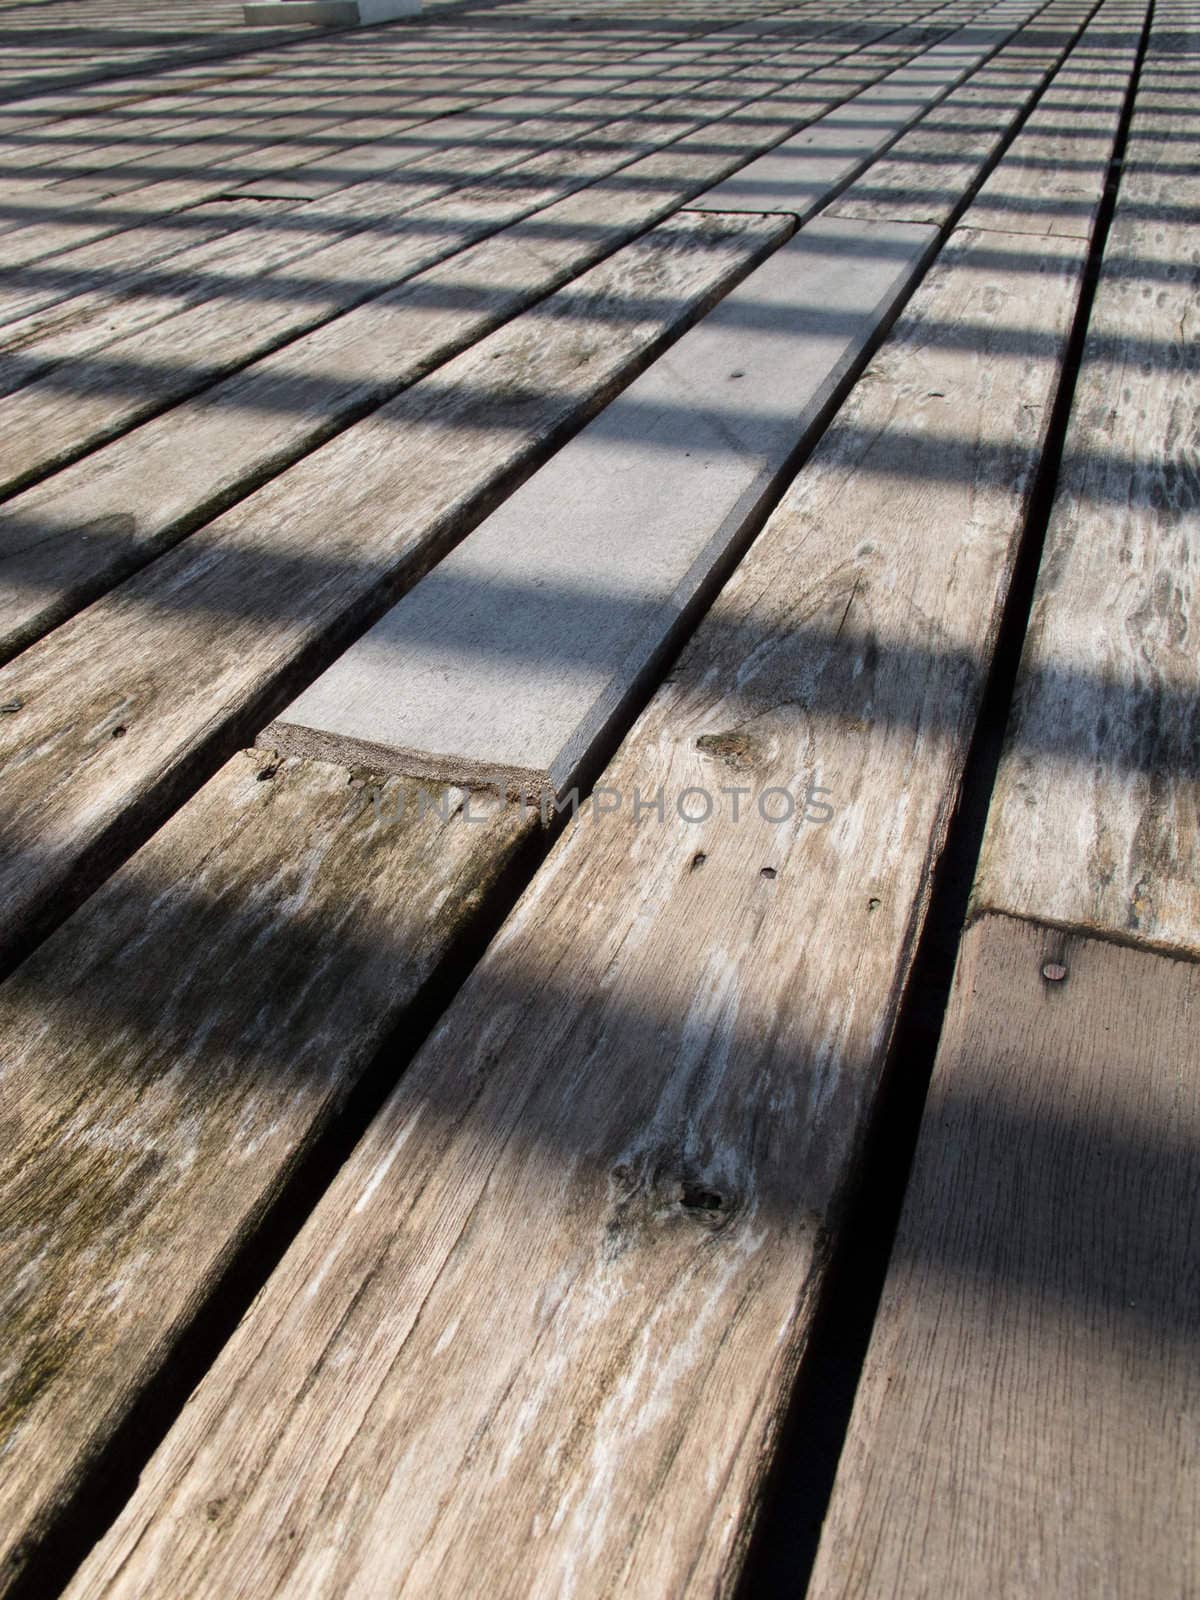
(448,76)
(1095,814)
(422,158)
(1028,1418)
(168,1059)
(546,1319)
(65,541)
(1029,1410)
(232,299)
(109,718)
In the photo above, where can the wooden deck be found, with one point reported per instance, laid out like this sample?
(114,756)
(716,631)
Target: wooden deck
(599,727)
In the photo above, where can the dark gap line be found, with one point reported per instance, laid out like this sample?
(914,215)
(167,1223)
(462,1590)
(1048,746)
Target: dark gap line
(800,1483)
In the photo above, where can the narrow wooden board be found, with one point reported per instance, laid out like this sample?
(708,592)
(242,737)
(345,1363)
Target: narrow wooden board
(511,659)
(546,1319)
(792,177)
(114,716)
(1027,1423)
(1096,808)
(72,271)
(167,192)
(302,78)
(1028,1415)
(88,267)
(39,224)
(64,542)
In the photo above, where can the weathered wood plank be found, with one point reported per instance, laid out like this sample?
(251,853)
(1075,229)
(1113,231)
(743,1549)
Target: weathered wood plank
(1067,141)
(366,105)
(87,67)
(43,223)
(601,1196)
(202,1124)
(104,730)
(436,158)
(1096,814)
(65,541)
(1028,1417)
(304,77)
(70,271)
(514,656)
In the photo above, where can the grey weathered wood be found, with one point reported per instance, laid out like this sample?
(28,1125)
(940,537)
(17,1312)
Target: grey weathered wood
(1027,1421)
(1095,815)
(795,175)
(141,246)
(513,657)
(63,542)
(45,222)
(202,642)
(327,13)
(546,1318)
(453,153)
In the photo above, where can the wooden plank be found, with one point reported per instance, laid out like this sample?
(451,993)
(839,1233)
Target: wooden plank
(1102,755)
(516,654)
(303,78)
(120,256)
(1027,1421)
(1067,140)
(40,224)
(435,157)
(152,199)
(105,730)
(792,177)
(64,542)
(72,271)
(87,68)
(366,110)
(562,1285)
(328,13)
